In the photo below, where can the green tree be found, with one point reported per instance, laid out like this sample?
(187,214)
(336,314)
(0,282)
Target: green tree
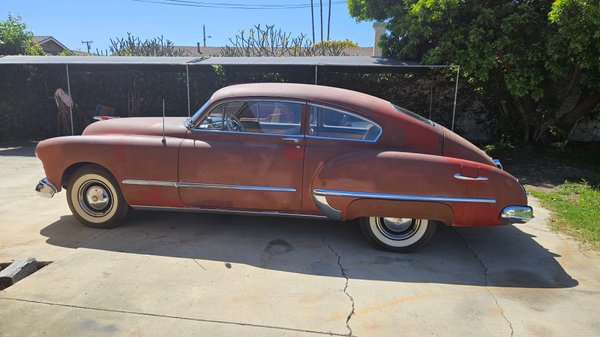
(15,39)
(538,60)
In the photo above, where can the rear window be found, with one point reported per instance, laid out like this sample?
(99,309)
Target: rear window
(413,115)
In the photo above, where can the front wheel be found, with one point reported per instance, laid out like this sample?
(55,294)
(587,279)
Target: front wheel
(95,199)
(397,234)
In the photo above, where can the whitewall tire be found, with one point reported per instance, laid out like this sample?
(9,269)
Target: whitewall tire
(95,199)
(397,234)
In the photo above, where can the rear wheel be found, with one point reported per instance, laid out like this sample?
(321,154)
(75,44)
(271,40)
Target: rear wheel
(397,234)
(95,199)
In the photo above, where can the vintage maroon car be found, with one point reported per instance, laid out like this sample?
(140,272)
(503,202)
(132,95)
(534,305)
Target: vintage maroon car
(287,149)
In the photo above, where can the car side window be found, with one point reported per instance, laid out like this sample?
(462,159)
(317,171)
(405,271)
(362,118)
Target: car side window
(332,123)
(271,117)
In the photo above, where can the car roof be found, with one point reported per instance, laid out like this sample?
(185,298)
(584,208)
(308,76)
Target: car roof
(338,97)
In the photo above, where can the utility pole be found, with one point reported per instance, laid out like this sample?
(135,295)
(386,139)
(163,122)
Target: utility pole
(321,9)
(204,34)
(329,20)
(88,44)
(312,17)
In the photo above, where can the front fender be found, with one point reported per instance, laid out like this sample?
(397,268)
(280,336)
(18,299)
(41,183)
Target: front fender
(126,157)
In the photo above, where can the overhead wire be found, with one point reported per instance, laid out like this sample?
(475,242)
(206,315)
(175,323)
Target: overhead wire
(206,4)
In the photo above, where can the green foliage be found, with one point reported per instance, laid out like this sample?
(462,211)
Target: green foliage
(529,55)
(336,43)
(134,46)
(67,52)
(15,39)
(577,208)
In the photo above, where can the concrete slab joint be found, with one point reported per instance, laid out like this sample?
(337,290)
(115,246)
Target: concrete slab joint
(485,269)
(345,275)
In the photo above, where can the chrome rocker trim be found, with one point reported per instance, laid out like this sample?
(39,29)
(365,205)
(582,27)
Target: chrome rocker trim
(204,185)
(516,214)
(45,188)
(319,196)
(226,211)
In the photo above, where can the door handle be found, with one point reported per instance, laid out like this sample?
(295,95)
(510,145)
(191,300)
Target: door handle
(461,177)
(290,140)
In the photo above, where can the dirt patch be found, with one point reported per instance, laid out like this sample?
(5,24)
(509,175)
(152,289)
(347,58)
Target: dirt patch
(543,173)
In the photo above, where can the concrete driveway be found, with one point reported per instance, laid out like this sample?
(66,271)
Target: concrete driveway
(178,274)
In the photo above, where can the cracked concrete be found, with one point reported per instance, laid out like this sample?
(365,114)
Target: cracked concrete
(345,275)
(485,275)
(175,274)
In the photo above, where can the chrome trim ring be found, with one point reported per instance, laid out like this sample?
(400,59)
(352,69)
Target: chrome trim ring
(95,198)
(397,228)
(516,214)
(398,237)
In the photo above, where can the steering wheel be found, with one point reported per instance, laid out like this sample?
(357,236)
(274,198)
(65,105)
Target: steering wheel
(233,124)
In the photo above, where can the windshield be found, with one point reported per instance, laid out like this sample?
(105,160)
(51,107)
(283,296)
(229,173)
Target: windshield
(199,112)
(413,115)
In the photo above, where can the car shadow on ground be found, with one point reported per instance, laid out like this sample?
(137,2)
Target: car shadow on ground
(501,256)
(17,150)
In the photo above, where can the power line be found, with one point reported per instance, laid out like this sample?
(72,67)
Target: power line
(203,4)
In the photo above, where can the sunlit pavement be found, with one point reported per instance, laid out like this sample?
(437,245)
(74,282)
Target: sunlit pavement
(177,274)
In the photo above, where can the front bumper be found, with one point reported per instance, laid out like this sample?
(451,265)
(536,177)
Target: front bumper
(45,188)
(516,214)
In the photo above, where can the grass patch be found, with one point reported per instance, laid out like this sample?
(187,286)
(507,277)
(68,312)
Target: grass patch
(576,207)
(567,182)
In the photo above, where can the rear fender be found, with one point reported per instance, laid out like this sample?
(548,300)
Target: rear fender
(402,184)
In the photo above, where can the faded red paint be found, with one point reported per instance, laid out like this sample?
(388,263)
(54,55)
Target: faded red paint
(410,157)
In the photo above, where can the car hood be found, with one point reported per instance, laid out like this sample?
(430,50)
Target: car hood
(457,147)
(150,126)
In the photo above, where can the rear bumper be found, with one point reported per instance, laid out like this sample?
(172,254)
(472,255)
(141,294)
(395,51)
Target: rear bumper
(516,214)
(45,188)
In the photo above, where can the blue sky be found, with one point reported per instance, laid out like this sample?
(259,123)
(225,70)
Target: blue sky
(71,21)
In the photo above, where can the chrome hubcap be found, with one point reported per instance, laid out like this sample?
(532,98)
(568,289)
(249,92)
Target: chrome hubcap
(398,228)
(95,198)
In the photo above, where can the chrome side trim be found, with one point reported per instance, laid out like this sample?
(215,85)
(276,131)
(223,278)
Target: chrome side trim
(203,185)
(45,188)
(236,187)
(400,197)
(498,163)
(226,211)
(336,138)
(516,214)
(150,182)
(298,136)
(461,177)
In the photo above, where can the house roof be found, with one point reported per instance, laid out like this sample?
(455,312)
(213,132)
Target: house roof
(42,39)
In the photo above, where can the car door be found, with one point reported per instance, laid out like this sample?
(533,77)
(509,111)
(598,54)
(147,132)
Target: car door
(245,154)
